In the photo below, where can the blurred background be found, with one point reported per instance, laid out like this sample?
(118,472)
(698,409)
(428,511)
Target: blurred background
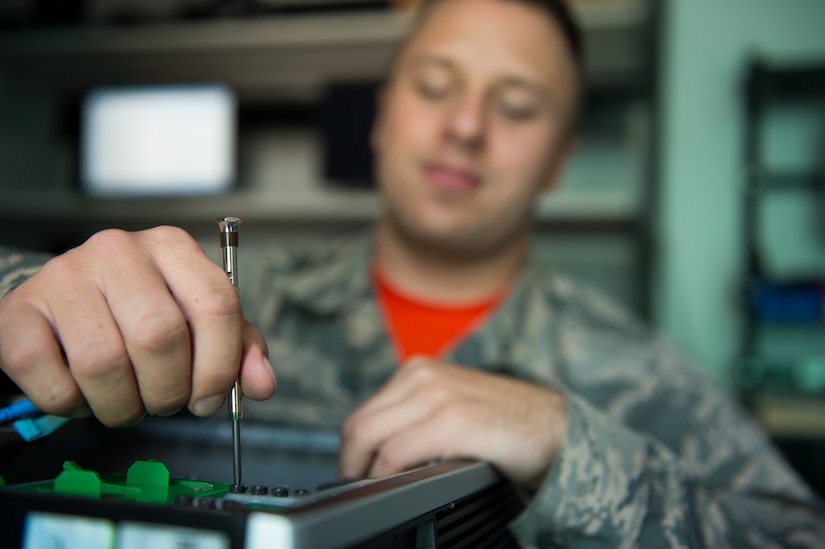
(695,196)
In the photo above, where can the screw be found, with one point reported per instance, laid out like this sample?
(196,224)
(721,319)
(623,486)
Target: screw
(280,491)
(258,490)
(237,489)
(205,503)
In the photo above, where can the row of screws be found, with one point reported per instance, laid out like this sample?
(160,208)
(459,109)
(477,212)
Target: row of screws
(261,490)
(254,490)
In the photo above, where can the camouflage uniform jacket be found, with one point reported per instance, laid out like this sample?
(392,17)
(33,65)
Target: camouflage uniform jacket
(654,455)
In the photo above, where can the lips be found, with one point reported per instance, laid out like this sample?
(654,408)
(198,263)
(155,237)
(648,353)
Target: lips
(452,177)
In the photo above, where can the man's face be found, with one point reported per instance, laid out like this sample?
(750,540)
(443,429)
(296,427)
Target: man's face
(473,124)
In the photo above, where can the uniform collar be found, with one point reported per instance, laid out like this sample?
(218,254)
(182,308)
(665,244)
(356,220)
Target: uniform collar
(343,281)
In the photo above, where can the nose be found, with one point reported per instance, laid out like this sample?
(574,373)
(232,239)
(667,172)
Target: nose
(466,123)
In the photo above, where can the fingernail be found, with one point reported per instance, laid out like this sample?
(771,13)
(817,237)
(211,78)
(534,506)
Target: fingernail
(209,405)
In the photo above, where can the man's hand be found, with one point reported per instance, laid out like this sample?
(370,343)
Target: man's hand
(129,324)
(431,410)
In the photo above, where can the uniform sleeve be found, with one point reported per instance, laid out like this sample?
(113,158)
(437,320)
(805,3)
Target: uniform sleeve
(17,266)
(612,486)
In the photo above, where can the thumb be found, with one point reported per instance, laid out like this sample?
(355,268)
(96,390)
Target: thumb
(258,379)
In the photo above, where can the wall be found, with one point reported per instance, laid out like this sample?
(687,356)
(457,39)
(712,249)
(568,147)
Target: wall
(705,46)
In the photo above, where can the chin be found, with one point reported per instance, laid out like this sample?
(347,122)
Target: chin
(445,240)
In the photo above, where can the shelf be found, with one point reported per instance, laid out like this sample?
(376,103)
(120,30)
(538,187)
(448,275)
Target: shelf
(783,377)
(289,54)
(321,206)
(763,179)
(792,79)
(68,206)
(789,416)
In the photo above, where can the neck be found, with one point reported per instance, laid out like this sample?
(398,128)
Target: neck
(437,275)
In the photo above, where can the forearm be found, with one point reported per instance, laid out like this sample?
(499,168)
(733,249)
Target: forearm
(613,487)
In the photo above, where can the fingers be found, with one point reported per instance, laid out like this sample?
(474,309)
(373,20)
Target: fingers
(366,432)
(418,444)
(98,360)
(415,372)
(224,345)
(211,321)
(147,323)
(144,351)
(31,357)
(441,411)
(407,399)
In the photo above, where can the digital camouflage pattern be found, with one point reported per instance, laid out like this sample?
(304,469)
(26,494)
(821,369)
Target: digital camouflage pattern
(655,454)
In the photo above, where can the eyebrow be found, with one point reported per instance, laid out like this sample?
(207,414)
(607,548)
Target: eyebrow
(429,59)
(508,81)
(532,87)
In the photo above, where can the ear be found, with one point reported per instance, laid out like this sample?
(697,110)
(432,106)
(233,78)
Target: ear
(377,124)
(558,163)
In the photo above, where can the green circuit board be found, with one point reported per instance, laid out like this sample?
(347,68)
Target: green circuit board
(145,481)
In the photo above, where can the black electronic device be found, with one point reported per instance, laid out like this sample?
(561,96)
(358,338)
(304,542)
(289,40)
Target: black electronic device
(347,115)
(444,504)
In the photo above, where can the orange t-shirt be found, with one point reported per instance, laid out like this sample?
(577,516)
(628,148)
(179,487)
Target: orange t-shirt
(425,328)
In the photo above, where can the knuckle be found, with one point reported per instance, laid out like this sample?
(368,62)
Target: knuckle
(17,357)
(60,403)
(159,331)
(221,301)
(109,239)
(424,372)
(440,394)
(169,237)
(169,233)
(453,414)
(97,358)
(63,267)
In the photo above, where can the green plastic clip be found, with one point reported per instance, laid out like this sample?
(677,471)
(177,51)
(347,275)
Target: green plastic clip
(76,481)
(152,478)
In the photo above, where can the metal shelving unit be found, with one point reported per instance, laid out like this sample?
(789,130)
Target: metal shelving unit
(781,310)
(290,60)
(290,54)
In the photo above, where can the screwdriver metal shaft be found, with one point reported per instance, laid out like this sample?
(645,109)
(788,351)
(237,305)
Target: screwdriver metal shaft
(229,245)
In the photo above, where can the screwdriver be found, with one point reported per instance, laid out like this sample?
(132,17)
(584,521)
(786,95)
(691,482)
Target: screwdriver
(229,245)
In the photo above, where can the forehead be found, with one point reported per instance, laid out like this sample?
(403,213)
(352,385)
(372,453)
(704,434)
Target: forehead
(494,39)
